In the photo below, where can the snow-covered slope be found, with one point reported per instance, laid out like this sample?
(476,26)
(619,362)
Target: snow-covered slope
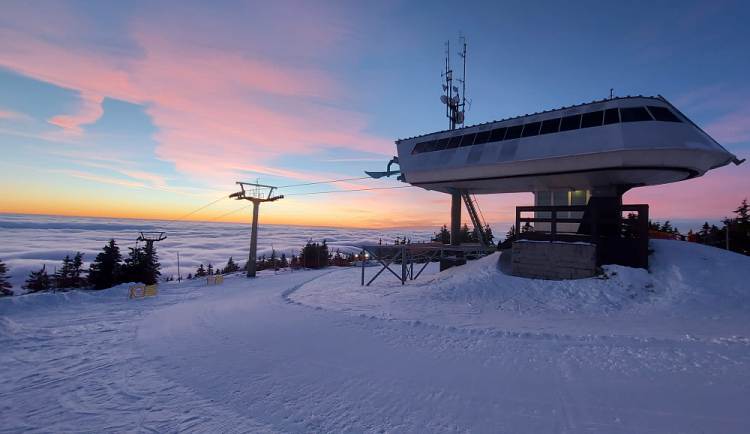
(688,287)
(467,350)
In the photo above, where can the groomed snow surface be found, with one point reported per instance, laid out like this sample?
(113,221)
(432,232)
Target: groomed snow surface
(467,350)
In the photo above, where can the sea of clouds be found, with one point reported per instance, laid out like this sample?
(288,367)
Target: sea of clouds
(29,241)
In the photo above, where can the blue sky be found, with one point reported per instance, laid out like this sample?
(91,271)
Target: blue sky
(153,109)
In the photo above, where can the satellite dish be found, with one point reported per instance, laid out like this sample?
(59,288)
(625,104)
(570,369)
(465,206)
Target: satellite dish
(460,117)
(456,100)
(444,99)
(445,87)
(455,89)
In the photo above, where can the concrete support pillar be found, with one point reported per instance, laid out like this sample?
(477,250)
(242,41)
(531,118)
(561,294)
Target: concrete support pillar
(456,218)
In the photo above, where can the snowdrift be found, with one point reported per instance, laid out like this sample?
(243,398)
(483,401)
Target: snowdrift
(689,288)
(681,275)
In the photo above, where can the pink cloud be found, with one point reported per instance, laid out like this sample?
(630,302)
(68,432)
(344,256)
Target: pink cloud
(207,100)
(7,114)
(718,192)
(90,111)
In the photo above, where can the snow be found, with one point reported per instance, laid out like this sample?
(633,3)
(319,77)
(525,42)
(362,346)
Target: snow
(467,350)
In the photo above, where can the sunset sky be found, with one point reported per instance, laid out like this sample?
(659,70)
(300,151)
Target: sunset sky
(154,109)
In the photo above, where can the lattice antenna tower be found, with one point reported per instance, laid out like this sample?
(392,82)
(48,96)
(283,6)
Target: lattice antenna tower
(455,106)
(257,194)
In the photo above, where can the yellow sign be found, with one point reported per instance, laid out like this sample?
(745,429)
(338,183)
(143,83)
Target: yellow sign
(142,291)
(214,280)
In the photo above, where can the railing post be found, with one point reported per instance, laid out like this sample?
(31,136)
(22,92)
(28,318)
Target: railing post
(518,223)
(403,264)
(362,258)
(553,229)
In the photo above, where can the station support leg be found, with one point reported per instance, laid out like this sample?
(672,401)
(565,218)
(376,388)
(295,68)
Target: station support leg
(456,218)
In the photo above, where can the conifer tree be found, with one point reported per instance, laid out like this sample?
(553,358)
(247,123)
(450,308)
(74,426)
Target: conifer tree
(666,227)
(132,270)
(231,266)
(200,272)
(511,234)
(5,286)
(742,212)
(105,271)
(489,237)
(442,236)
(61,279)
(77,272)
(38,281)
(190,276)
(323,254)
(151,265)
(284,262)
(210,269)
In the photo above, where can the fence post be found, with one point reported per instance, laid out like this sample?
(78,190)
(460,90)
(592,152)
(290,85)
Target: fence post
(362,258)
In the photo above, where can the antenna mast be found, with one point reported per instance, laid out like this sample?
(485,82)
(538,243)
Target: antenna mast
(455,107)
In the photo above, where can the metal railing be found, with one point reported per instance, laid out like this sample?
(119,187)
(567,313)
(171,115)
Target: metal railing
(619,240)
(407,255)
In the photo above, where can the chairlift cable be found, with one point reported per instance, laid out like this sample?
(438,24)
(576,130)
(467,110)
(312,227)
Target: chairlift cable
(325,182)
(224,215)
(348,191)
(193,212)
(317,192)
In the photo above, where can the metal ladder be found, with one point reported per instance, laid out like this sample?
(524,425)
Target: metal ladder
(472,206)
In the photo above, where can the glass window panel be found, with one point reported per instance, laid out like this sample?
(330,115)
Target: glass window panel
(634,114)
(560,198)
(570,123)
(513,132)
(418,149)
(454,142)
(468,140)
(442,143)
(593,119)
(498,134)
(544,198)
(430,146)
(550,126)
(531,129)
(663,114)
(611,116)
(578,197)
(482,137)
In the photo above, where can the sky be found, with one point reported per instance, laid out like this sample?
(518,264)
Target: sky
(152,110)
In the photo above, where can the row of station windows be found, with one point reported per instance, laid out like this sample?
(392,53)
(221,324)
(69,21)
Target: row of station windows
(550,126)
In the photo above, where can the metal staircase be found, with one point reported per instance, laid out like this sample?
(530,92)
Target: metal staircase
(476,218)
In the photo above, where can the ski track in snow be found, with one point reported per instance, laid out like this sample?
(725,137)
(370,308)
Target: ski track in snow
(468,350)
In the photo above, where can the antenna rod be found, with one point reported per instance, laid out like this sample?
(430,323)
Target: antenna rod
(463,106)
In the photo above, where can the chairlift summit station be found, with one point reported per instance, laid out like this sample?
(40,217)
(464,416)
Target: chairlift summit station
(583,155)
